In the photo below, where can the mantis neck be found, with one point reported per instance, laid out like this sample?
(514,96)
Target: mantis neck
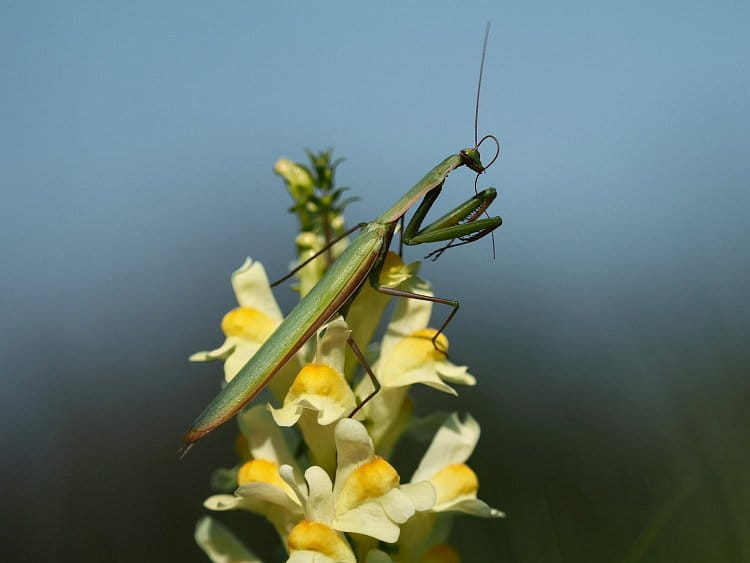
(431,180)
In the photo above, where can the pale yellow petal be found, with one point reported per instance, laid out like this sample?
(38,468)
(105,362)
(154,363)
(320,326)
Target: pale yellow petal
(252,289)
(370,519)
(262,471)
(220,545)
(265,439)
(394,272)
(453,482)
(318,387)
(265,499)
(370,480)
(422,495)
(424,374)
(220,353)
(452,373)
(222,502)
(318,539)
(473,507)
(397,505)
(453,443)
(247,323)
(330,347)
(353,447)
(241,354)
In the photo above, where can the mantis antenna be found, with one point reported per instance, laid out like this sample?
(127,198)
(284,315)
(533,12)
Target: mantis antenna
(477,142)
(435,254)
(476,125)
(479,86)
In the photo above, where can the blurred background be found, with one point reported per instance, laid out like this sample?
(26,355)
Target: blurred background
(609,337)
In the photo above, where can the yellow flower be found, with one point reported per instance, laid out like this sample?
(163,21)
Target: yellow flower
(456,486)
(260,487)
(314,538)
(368,498)
(320,385)
(315,541)
(444,466)
(320,396)
(407,357)
(248,326)
(407,354)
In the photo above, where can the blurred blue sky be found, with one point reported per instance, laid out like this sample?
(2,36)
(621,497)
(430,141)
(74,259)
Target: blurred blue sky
(136,152)
(622,128)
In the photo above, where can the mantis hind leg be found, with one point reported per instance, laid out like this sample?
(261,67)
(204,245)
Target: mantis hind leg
(432,299)
(323,250)
(368,369)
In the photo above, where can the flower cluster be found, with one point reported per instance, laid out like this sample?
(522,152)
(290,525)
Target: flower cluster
(321,477)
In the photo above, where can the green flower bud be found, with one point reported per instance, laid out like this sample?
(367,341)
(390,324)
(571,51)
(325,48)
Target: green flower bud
(298,179)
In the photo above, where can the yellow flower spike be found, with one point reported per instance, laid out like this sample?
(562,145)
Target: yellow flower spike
(248,323)
(441,554)
(455,481)
(372,479)
(319,538)
(318,379)
(262,471)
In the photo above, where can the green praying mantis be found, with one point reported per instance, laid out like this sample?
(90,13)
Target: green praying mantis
(362,260)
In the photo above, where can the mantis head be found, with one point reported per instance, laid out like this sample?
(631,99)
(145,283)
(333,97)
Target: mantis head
(471,158)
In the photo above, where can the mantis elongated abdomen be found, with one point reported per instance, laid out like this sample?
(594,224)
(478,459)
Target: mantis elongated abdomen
(338,284)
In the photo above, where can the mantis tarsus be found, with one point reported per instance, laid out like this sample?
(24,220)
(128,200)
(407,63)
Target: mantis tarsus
(342,281)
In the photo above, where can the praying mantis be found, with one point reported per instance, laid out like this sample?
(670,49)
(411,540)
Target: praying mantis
(361,261)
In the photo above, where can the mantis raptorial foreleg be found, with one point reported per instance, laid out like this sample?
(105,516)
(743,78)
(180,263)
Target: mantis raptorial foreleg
(462,223)
(483,227)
